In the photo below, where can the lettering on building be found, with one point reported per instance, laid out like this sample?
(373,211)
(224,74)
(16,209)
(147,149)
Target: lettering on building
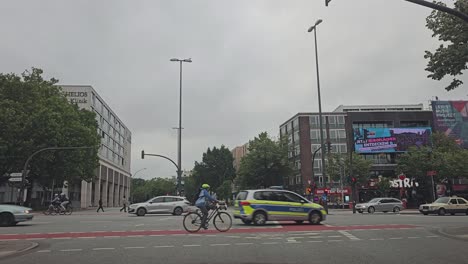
(77,97)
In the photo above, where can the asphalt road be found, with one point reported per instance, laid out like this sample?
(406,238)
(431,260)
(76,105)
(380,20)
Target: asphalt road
(114,237)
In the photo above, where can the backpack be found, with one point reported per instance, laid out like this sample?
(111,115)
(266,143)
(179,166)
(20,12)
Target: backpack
(194,197)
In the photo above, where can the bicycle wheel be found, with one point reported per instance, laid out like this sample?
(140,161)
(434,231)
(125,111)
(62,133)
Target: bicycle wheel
(69,210)
(192,222)
(46,212)
(222,221)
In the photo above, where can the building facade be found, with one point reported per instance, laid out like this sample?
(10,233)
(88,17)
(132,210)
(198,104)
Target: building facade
(112,177)
(238,153)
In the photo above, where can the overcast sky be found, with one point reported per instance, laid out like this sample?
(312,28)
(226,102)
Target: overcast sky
(253,62)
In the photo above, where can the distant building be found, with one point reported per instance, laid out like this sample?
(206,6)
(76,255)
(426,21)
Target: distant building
(238,153)
(379,108)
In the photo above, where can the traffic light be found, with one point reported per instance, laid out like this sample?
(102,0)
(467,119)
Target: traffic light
(325,191)
(326,2)
(142,154)
(353,180)
(309,190)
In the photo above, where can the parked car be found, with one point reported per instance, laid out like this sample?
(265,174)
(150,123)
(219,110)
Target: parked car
(384,204)
(175,205)
(260,206)
(444,205)
(12,214)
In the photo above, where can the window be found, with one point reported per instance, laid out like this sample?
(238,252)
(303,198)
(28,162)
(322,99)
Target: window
(461,201)
(332,120)
(333,134)
(241,196)
(317,164)
(290,197)
(298,179)
(341,133)
(340,120)
(343,149)
(313,120)
(453,201)
(263,196)
(314,134)
(158,200)
(170,199)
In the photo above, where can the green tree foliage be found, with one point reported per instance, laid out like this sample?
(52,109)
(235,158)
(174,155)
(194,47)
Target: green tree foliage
(339,164)
(383,185)
(450,58)
(445,157)
(215,168)
(266,164)
(143,190)
(35,114)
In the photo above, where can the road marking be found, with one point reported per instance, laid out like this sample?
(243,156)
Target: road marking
(327,225)
(432,236)
(162,219)
(156,235)
(294,238)
(191,245)
(243,244)
(95,221)
(270,243)
(86,237)
(314,241)
(32,233)
(275,238)
(216,245)
(136,236)
(71,250)
(163,246)
(103,248)
(292,242)
(348,235)
(210,235)
(133,247)
(111,236)
(395,238)
(233,236)
(61,238)
(333,236)
(335,241)
(139,224)
(413,237)
(375,239)
(39,238)
(43,251)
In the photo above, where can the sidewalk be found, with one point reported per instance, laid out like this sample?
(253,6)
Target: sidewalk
(350,211)
(8,248)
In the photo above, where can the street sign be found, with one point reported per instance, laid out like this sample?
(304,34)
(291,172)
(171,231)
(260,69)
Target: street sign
(309,181)
(16,175)
(431,173)
(15,179)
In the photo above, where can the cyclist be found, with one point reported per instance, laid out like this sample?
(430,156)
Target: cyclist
(202,203)
(56,201)
(64,201)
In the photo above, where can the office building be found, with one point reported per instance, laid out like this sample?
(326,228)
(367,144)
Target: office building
(238,153)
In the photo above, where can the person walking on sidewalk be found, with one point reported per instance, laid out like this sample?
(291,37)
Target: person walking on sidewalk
(124,202)
(100,206)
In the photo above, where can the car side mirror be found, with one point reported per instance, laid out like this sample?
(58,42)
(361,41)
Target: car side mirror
(150,202)
(302,201)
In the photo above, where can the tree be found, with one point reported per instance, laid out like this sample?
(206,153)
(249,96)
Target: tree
(143,190)
(450,58)
(336,166)
(215,168)
(38,116)
(339,164)
(266,164)
(383,185)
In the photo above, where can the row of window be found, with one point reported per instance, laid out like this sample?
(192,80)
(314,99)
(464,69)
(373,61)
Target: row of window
(102,110)
(334,133)
(332,120)
(111,155)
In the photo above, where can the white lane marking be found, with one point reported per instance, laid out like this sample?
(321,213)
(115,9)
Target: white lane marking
(315,241)
(86,237)
(375,239)
(139,224)
(38,238)
(71,250)
(75,232)
(95,221)
(210,235)
(61,238)
(243,244)
(168,246)
(275,238)
(335,240)
(294,238)
(43,251)
(432,236)
(413,237)
(178,234)
(270,243)
(233,236)
(191,245)
(156,235)
(103,248)
(327,225)
(163,219)
(133,247)
(292,242)
(348,235)
(216,245)
(32,233)
(110,236)
(136,236)
(394,238)
(333,236)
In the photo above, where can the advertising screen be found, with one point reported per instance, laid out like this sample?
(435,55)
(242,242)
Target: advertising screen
(378,140)
(451,118)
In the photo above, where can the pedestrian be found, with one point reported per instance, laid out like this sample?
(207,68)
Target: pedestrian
(124,202)
(100,206)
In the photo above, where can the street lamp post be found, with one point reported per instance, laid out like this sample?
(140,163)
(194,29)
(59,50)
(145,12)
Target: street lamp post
(131,176)
(324,175)
(179,145)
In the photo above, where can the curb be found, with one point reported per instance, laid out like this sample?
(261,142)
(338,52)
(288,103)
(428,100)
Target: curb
(442,232)
(9,254)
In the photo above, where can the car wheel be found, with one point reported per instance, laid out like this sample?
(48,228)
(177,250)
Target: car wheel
(466,211)
(452,213)
(396,210)
(299,221)
(371,210)
(141,212)
(360,211)
(259,218)
(178,211)
(385,211)
(315,218)
(425,213)
(7,219)
(247,222)
(441,211)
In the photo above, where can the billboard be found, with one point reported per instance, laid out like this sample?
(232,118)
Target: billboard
(378,140)
(451,118)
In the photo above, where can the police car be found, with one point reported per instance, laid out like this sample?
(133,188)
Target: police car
(260,206)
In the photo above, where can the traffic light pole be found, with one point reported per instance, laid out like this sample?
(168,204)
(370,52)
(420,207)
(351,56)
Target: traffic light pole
(143,154)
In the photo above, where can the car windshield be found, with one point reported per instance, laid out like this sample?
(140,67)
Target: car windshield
(442,200)
(374,200)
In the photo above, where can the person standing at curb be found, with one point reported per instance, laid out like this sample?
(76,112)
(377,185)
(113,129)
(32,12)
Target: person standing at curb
(100,206)
(124,202)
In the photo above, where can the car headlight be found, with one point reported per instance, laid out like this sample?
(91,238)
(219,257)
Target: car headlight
(26,211)
(321,208)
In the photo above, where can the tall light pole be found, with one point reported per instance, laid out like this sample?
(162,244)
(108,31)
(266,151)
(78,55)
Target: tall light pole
(131,177)
(134,174)
(179,145)
(324,174)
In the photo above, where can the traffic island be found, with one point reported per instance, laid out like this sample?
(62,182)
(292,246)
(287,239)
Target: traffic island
(9,248)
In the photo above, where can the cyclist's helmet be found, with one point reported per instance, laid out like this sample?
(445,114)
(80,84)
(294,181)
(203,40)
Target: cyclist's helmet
(205,186)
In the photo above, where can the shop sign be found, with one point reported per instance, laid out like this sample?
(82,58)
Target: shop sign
(405,183)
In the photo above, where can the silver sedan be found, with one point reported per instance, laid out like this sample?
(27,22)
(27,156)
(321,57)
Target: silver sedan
(380,205)
(175,205)
(12,214)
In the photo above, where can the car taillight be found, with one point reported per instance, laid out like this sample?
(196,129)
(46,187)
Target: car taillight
(244,203)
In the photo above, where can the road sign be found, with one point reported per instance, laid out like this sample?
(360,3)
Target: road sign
(431,173)
(16,175)
(15,179)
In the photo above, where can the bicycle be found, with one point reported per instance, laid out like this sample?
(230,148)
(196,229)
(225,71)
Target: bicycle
(222,221)
(52,210)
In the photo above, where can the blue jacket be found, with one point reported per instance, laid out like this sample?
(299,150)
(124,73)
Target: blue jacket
(202,197)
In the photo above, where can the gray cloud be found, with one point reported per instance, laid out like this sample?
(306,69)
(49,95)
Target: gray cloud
(254,64)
